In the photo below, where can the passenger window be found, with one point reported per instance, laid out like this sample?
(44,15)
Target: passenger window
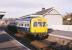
(26,24)
(20,24)
(35,24)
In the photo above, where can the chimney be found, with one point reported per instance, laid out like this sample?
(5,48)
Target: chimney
(43,9)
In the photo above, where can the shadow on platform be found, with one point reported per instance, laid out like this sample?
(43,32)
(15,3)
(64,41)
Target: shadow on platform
(14,48)
(50,30)
(4,38)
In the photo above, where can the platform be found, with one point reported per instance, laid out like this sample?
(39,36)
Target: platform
(61,37)
(62,34)
(9,43)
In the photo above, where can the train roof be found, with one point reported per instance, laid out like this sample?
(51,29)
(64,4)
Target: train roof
(28,18)
(25,19)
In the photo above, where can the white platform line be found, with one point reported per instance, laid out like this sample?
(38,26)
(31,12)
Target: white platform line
(60,36)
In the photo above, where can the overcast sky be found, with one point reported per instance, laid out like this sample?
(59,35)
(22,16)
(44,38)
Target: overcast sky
(18,8)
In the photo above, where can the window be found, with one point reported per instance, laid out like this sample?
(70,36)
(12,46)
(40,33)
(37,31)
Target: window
(44,24)
(20,24)
(39,23)
(35,24)
(26,24)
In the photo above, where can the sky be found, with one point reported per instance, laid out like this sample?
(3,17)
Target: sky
(18,8)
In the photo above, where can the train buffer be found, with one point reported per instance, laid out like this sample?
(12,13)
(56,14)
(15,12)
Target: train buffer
(9,43)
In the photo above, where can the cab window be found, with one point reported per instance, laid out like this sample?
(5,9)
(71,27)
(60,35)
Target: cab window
(44,24)
(35,24)
(40,24)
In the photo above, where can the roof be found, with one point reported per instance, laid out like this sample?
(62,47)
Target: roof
(28,17)
(1,16)
(43,12)
(24,19)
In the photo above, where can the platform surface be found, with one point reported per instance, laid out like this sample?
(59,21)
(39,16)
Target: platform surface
(62,34)
(9,43)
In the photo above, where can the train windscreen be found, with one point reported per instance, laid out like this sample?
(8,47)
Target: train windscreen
(39,24)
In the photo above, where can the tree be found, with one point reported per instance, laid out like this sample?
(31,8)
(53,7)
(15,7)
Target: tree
(67,19)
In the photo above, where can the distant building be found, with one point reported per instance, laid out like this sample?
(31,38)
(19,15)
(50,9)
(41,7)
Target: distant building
(67,19)
(53,16)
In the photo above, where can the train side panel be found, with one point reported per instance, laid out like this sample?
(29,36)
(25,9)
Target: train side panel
(23,25)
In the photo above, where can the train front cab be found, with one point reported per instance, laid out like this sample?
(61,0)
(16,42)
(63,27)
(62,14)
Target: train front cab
(39,27)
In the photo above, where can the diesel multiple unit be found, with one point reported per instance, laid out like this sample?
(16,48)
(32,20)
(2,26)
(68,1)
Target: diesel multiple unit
(33,25)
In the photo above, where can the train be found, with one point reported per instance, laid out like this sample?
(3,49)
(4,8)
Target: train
(35,25)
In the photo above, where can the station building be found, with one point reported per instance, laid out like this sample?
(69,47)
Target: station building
(52,15)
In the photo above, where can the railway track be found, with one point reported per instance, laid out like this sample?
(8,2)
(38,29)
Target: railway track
(40,44)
